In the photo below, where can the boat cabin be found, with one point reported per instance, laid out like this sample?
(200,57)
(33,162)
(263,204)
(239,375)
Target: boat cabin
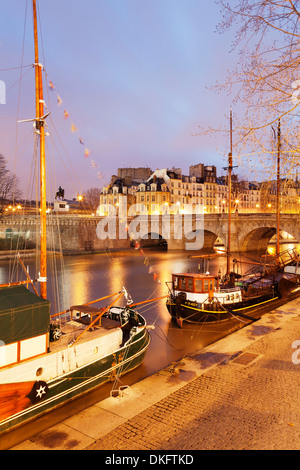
(195,283)
(24,325)
(204,288)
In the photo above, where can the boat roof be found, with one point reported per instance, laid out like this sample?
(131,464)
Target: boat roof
(86,309)
(19,297)
(195,275)
(23,314)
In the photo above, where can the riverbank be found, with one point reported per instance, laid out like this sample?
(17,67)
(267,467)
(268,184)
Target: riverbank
(11,254)
(239,393)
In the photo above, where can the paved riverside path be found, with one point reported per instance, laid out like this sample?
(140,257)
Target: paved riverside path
(240,393)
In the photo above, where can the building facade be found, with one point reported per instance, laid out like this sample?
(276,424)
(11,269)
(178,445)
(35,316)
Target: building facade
(168,190)
(117,197)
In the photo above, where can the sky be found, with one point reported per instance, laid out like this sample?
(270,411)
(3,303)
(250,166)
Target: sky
(134,77)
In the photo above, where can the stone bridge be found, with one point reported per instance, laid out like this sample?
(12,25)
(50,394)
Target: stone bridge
(249,232)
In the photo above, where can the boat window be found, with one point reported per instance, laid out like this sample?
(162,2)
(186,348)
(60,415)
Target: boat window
(211,284)
(190,285)
(183,283)
(198,285)
(175,282)
(205,287)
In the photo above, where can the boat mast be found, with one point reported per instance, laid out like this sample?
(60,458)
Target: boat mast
(229,196)
(40,129)
(278,191)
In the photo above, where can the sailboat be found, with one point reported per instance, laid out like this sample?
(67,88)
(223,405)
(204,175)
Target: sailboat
(45,363)
(204,297)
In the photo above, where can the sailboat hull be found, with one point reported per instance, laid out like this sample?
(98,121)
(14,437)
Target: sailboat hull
(69,386)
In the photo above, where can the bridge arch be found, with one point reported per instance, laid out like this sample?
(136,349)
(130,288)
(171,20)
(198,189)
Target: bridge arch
(259,239)
(206,239)
(153,240)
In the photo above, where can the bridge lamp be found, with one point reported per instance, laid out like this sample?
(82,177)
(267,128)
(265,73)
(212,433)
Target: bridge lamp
(236,207)
(79,197)
(269,205)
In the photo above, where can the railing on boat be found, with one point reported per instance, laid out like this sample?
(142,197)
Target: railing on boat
(230,289)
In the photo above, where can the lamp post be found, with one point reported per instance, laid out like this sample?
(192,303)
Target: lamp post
(236,205)
(223,206)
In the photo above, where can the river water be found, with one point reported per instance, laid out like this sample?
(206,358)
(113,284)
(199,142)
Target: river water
(144,273)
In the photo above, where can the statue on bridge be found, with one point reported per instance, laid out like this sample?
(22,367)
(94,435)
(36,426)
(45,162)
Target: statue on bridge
(60,193)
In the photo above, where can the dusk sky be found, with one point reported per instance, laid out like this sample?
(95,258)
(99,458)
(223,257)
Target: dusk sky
(133,76)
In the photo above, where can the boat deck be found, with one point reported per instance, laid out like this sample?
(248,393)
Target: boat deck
(71,329)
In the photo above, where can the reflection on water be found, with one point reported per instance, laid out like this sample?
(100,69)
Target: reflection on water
(285,247)
(84,278)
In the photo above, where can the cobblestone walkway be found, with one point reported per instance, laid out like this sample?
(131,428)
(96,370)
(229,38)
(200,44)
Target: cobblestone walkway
(254,405)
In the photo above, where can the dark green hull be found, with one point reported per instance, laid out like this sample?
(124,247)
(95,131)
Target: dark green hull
(191,312)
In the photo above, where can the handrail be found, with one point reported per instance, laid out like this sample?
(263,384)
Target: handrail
(230,289)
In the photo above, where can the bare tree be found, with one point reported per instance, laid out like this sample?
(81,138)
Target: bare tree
(265,84)
(92,198)
(268,40)
(9,182)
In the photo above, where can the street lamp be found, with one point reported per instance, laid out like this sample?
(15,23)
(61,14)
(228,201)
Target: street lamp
(236,207)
